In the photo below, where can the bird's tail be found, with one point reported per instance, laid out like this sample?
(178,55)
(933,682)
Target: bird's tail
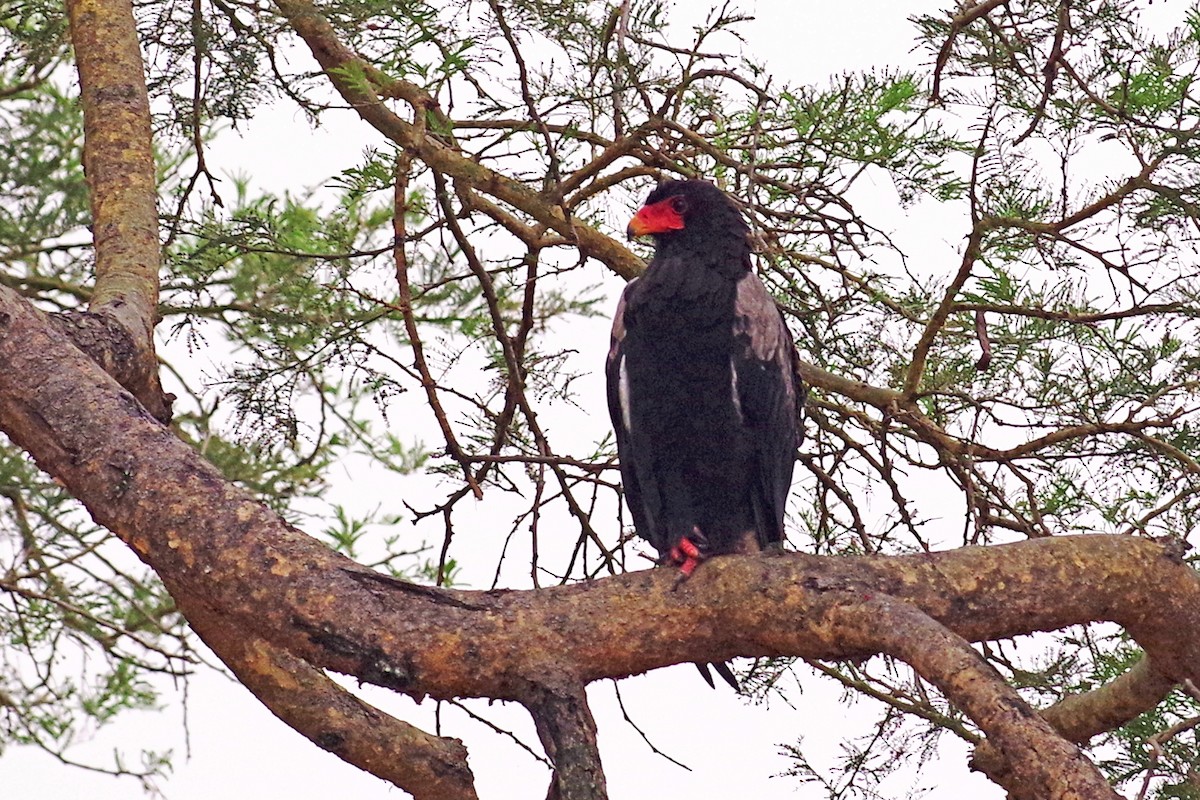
(722,669)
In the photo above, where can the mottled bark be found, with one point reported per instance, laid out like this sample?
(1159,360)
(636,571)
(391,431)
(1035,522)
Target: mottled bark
(111,345)
(208,539)
(1041,763)
(118,160)
(1080,717)
(427,767)
(568,733)
(279,607)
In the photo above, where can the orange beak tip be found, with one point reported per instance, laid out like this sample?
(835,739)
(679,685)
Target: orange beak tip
(637,227)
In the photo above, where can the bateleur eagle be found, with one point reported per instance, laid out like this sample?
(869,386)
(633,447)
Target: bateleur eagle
(702,387)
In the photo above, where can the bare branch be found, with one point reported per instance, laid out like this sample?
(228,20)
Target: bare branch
(958,23)
(339,63)
(1080,717)
(399,227)
(428,767)
(568,733)
(1042,764)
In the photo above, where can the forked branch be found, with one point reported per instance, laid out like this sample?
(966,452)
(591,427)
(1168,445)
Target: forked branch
(1042,764)
(1080,717)
(426,766)
(119,162)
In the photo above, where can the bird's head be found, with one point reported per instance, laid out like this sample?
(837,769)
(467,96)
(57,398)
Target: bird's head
(686,210)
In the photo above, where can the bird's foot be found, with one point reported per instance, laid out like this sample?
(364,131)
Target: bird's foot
(688,554)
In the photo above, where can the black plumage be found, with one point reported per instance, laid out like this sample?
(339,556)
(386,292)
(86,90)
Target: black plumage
(702,386)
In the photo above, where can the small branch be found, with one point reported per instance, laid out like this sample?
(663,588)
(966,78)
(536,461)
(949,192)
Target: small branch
(642,733)
(1049,70)
(341,65)
(898,700)
(916,369)
(487,723)
(958,23)
(1156,742)
(568,733)
(515,369)
(400,209)
(1080,317)
(552,183)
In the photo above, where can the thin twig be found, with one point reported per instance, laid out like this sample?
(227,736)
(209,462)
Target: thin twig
(642,733)
(958,23)
(403,162)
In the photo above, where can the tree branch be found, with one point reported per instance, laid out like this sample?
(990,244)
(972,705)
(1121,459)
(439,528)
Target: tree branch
(1080,717)
(400,257)
(428,767)
(969,13)
(342,65)
(207,538)
(568,732)
(118,160)
(1041,764)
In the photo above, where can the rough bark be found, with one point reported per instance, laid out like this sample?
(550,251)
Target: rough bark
(1041,763)
(1080,717)
(118,159)
(207,539)
(279,607)
(117,334)
(568,733)
(107,341)
(428,767)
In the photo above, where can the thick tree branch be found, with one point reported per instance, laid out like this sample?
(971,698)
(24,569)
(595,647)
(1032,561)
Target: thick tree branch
(428,767)
(1042,764)
(201,534)
(568,733)
(208,539)
(118,160)
(1080,717)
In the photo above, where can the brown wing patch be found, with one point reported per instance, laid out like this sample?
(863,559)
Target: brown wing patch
(757,320)
(618,326)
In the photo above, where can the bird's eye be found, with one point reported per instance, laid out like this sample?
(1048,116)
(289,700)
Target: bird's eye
(678,205)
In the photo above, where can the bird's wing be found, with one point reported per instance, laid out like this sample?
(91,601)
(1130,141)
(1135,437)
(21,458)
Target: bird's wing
(768,394)
(619,411)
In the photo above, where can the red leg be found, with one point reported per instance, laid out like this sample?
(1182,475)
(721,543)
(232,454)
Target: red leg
(687,555)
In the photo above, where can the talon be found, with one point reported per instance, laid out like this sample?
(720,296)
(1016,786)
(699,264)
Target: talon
(687,555)
(687,549)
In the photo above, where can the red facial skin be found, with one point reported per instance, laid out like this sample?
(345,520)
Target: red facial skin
(661,217)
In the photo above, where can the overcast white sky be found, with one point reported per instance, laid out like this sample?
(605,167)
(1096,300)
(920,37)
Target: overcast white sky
(237,749)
